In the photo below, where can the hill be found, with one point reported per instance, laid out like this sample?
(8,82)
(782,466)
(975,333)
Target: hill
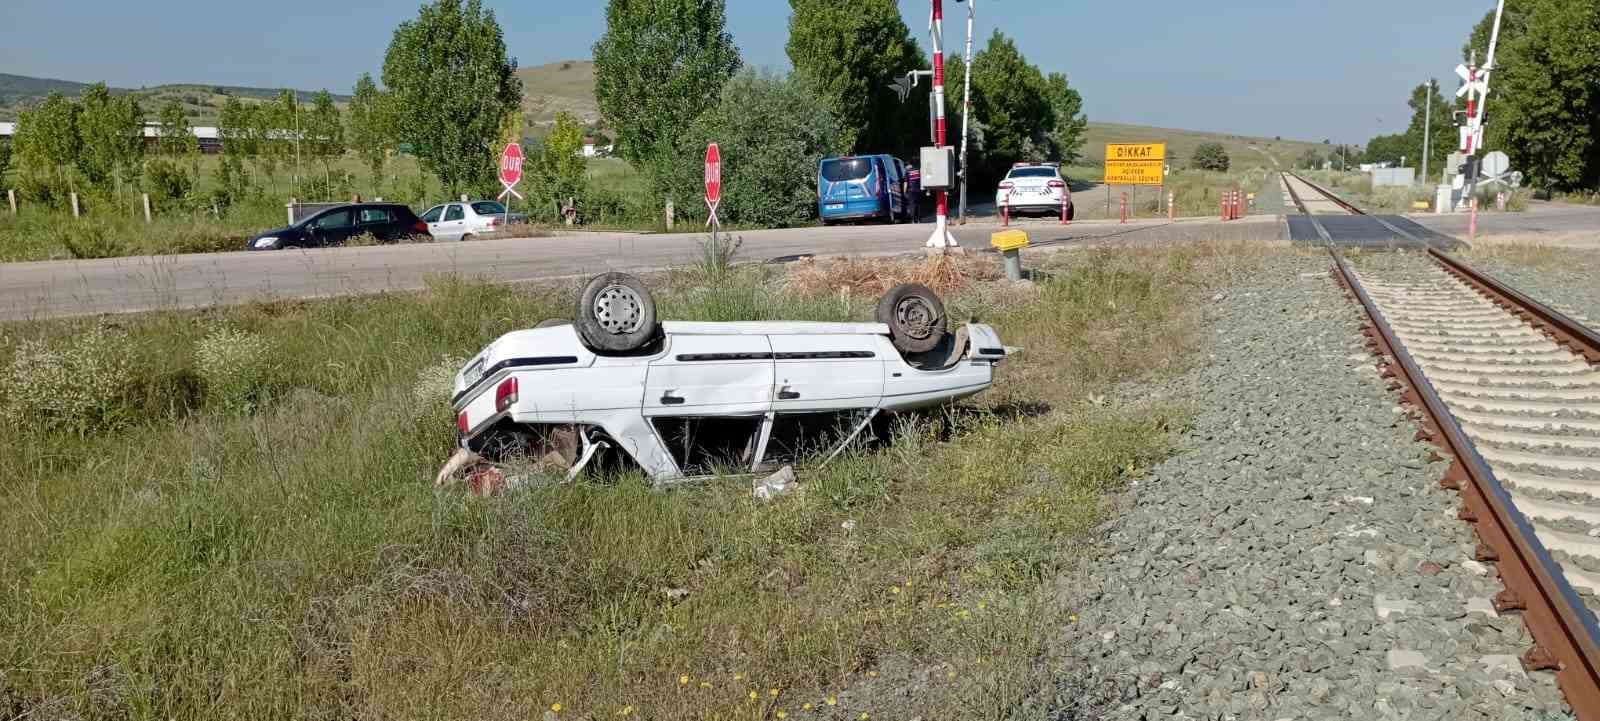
(1244,150)
(201,102)
(549,89)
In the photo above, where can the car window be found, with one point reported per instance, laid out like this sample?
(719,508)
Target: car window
(1033,173)
(333,220)
(840,169)
(454,212)
(432,216)
(488,207)
(373,215)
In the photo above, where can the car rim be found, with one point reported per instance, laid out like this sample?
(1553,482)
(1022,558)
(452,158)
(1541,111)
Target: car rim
(618,309)
(916,317)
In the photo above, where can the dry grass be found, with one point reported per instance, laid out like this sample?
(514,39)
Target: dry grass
(872,277)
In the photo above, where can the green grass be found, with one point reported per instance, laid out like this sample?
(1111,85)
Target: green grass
(198,557)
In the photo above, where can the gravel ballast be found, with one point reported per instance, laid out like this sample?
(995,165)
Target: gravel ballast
(1296,559)
(1560,278)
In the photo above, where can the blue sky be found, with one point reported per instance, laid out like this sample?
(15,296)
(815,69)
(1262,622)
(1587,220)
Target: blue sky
(1308,70)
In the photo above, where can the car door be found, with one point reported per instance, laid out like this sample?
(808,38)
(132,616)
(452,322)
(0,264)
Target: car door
(825,371)
(707,399)
(454,223)
(379,222)
(333,227)
(434,218)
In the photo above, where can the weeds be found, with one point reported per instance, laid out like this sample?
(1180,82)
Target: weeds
(234,366)
(75,384)
(295,561)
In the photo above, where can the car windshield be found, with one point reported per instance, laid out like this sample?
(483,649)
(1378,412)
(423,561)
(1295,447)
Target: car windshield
(840,169)
(488,207)
(1034,173)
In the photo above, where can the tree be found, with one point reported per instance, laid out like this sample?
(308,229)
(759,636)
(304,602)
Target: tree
(1067,135)
(1210,156)
(111,130)
(452,85)
(1385,149)
(848,52)
(659,65)
(1012,99)
(772,132)
(233,127)
(5,160)
(324,130)
(176,138)
(371,132)
(1443,137)
(560,171)
(1545,92)
(1310,160)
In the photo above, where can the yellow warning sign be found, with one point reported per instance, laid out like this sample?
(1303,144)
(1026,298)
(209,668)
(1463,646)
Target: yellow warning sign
(1136,163)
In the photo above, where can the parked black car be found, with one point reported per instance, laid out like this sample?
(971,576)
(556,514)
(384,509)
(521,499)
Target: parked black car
(388,222)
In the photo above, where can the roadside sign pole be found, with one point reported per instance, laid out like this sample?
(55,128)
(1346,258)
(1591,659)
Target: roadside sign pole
(713,178)
(966,107)
(1479,85)
(1427,128)
(510,175)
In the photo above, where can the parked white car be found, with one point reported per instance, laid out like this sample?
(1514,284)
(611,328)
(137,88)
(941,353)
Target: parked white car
(462,221)
(687,399)
(1034,188)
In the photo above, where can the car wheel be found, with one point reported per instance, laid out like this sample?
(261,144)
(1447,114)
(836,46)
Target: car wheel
(465,237)
(553,322)
(915,317)
(1072,210)
(615,314)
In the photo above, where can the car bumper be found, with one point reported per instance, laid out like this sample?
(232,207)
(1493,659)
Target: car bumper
(851,210)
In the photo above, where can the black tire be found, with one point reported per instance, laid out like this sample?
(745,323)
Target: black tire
(553,322)
(1072,210)
(464,238)
(915,317)
(615,314)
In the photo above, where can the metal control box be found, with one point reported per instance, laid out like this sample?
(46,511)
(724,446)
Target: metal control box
(938,168)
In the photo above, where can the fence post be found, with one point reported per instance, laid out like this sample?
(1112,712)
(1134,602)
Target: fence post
(290,210)
(1005,210)
(1472,221)
(670,219)
(74,205)
(1124,206)
(1064,209)
(145,197)
(11,195)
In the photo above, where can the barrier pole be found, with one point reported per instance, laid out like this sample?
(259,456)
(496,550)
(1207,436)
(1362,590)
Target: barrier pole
(1172,213)
(1472,221)
(1005,210)
(1063,208)
(1124,206)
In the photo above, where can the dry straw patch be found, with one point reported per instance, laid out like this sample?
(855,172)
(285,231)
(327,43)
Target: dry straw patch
(871,277)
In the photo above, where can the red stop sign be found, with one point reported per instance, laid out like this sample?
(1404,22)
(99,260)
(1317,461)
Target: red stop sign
(713,174)
(511,165)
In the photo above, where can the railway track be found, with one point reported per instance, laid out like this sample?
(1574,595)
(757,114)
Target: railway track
(1508,389)
(1326,219)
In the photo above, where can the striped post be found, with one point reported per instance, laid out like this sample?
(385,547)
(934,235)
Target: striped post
(1172,213)
(1124,206)
(1005,210)
(941,231)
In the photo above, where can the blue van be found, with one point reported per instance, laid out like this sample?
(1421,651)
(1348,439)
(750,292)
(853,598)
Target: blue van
(862,187)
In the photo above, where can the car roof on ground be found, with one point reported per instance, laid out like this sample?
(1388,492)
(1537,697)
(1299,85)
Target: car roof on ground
(679,327)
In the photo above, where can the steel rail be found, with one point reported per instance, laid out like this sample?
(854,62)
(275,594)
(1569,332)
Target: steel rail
(1347,205)
(1568,332)
(1322,231)
(1566,640)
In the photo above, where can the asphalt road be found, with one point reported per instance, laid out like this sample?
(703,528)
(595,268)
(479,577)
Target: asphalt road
(120,285)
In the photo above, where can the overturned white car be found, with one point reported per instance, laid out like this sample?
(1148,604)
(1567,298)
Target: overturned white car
(685,399)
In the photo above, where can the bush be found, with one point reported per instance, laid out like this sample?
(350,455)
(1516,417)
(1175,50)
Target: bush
(772,133)
(77,384)
(1210,156)
(233,366)
(167,183)
(87,239)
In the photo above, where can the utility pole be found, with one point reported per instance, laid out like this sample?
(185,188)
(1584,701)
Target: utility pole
(1427,127)
(966,107)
